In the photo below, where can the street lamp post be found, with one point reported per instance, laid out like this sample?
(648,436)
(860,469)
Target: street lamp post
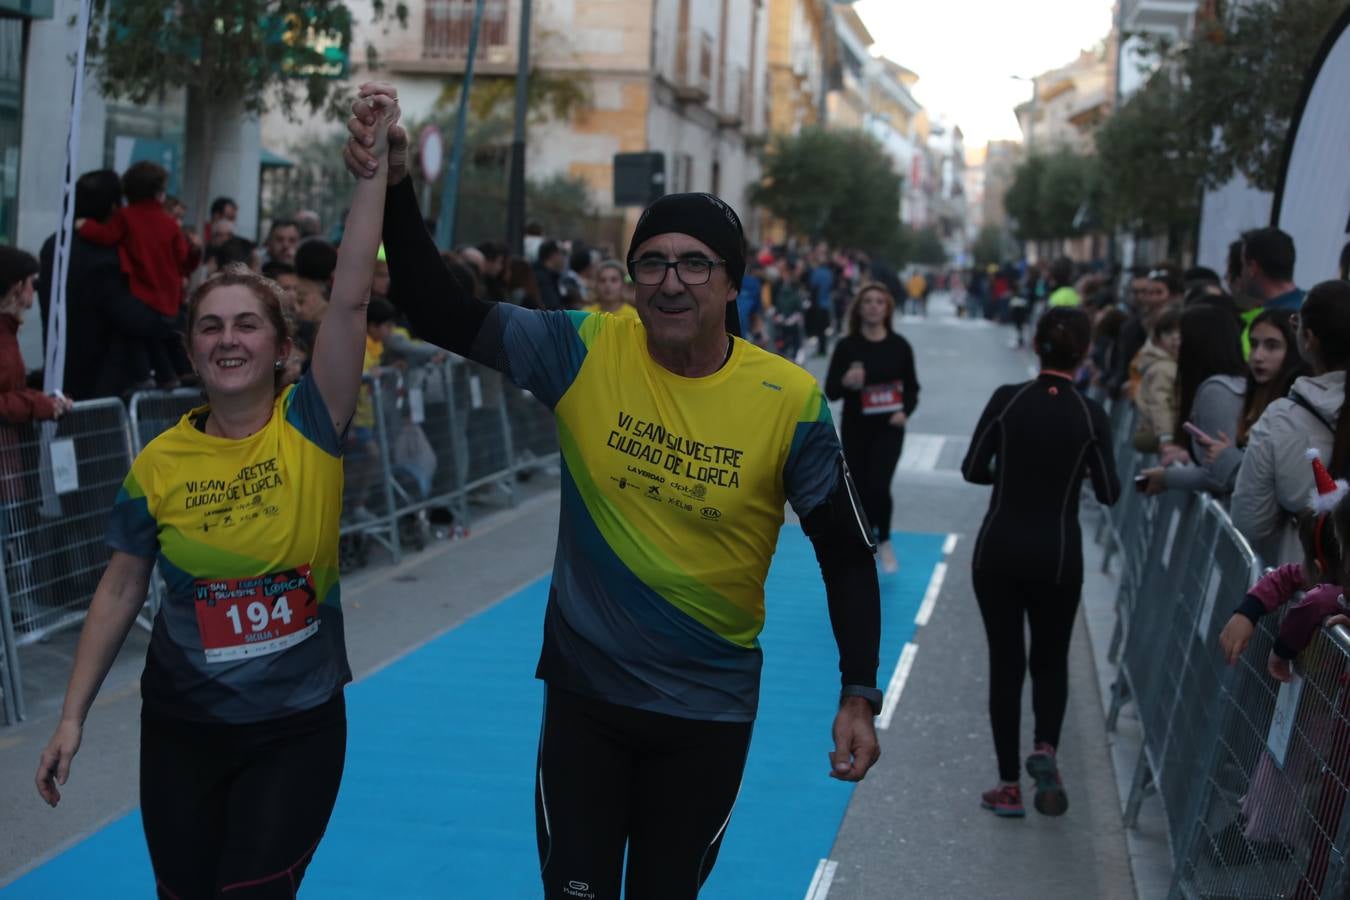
(445,226)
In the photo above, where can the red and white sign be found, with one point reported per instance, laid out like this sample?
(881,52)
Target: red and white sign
(241,618)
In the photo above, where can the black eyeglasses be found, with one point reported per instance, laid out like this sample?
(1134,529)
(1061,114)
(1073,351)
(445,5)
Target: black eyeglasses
(691,270)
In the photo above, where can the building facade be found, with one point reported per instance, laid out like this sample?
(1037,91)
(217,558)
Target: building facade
(1068,103)
(685,78)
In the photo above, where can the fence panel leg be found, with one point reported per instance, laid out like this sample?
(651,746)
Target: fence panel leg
(1140,788)
(14,706)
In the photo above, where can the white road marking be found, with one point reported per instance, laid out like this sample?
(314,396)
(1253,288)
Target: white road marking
(897,685)
(949,545)
(821,881)
(922,452)
(930,596)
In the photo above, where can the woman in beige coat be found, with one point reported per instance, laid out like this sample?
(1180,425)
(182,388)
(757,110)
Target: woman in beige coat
(1153,379)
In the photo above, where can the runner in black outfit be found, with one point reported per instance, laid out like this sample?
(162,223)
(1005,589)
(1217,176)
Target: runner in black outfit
(873,371)
(1035,443)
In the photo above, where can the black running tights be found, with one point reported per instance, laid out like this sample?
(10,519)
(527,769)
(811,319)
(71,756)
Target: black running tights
(611,776)
(872,447)
(1049,610)
(235,812)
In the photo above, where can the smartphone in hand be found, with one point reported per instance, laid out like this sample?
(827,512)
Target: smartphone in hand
(1197,433)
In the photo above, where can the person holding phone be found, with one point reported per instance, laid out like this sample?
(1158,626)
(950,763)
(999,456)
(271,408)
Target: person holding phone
(1211,381)
(872,371)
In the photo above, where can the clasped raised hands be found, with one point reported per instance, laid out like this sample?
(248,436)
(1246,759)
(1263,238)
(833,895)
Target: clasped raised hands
(374,121)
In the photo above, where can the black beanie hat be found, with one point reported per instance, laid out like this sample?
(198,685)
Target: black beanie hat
(705,218)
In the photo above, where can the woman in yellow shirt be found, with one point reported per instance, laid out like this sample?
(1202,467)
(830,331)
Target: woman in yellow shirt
(609,291)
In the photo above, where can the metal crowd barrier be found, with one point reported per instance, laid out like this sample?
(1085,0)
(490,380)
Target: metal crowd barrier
(427,438)
(1252,774)
(57,482)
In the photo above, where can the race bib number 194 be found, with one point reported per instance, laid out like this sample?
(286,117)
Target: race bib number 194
(244,617)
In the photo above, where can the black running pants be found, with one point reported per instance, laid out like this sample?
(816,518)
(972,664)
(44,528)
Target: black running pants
(1049,610)
(611,777)
(235,812)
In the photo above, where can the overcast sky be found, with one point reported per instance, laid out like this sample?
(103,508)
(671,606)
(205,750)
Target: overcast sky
(966,52)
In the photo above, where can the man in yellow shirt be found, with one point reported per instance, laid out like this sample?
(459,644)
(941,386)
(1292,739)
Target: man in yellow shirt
(680,445)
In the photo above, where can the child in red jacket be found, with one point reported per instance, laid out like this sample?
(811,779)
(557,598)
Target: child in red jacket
(156,256)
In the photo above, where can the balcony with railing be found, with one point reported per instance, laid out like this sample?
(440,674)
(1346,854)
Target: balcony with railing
(447,25)
(734,107)
(692,75)
(1171,18)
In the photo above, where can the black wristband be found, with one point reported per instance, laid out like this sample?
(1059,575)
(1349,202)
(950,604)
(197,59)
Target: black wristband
(1252,608)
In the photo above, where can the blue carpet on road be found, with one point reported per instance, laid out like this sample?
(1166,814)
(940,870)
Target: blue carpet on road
(437,798)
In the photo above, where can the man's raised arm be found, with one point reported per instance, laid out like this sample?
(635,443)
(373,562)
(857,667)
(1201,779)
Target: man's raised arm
(439,303)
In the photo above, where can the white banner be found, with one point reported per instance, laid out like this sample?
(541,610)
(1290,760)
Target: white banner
(1312,202)
(54,372)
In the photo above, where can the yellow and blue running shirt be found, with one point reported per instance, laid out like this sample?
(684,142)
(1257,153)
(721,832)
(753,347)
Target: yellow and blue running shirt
(672,499)
(246,536)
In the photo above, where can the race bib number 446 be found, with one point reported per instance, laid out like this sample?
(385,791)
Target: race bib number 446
(244,617)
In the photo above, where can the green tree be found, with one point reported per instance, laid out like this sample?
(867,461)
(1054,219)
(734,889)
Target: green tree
(1243,77)
(1048,193)
(990,245)
(1151,176)
(838,186)
(926,247)
(1022,200)
(232,57)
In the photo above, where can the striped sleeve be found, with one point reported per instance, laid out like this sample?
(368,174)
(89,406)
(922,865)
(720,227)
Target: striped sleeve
(541,351)
(811,470)
(131,528)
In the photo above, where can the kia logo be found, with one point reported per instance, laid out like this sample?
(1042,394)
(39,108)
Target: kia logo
(712,513)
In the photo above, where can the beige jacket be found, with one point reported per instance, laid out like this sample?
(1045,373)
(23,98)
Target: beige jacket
(1155,373)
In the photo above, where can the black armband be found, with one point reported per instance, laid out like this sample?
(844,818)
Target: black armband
(1252,608)
(844,548)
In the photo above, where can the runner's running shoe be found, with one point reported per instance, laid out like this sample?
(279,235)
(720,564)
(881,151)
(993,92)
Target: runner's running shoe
(1042,767)
(1004,800)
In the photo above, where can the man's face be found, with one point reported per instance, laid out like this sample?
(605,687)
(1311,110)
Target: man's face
(229,211)
(290,283)
(1139,292)
(678,315)
(310,300)
(281,243)
(492,268)
(557,262)
(1157,295)
(379,283)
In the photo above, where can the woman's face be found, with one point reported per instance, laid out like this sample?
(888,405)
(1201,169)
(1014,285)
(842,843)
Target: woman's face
(20,298)
(1268,352)
(873,308)
(609,285)
(234,345)
(1170,342)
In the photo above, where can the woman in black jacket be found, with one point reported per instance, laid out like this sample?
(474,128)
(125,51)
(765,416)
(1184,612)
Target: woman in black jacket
(873,371)
(1035,443)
